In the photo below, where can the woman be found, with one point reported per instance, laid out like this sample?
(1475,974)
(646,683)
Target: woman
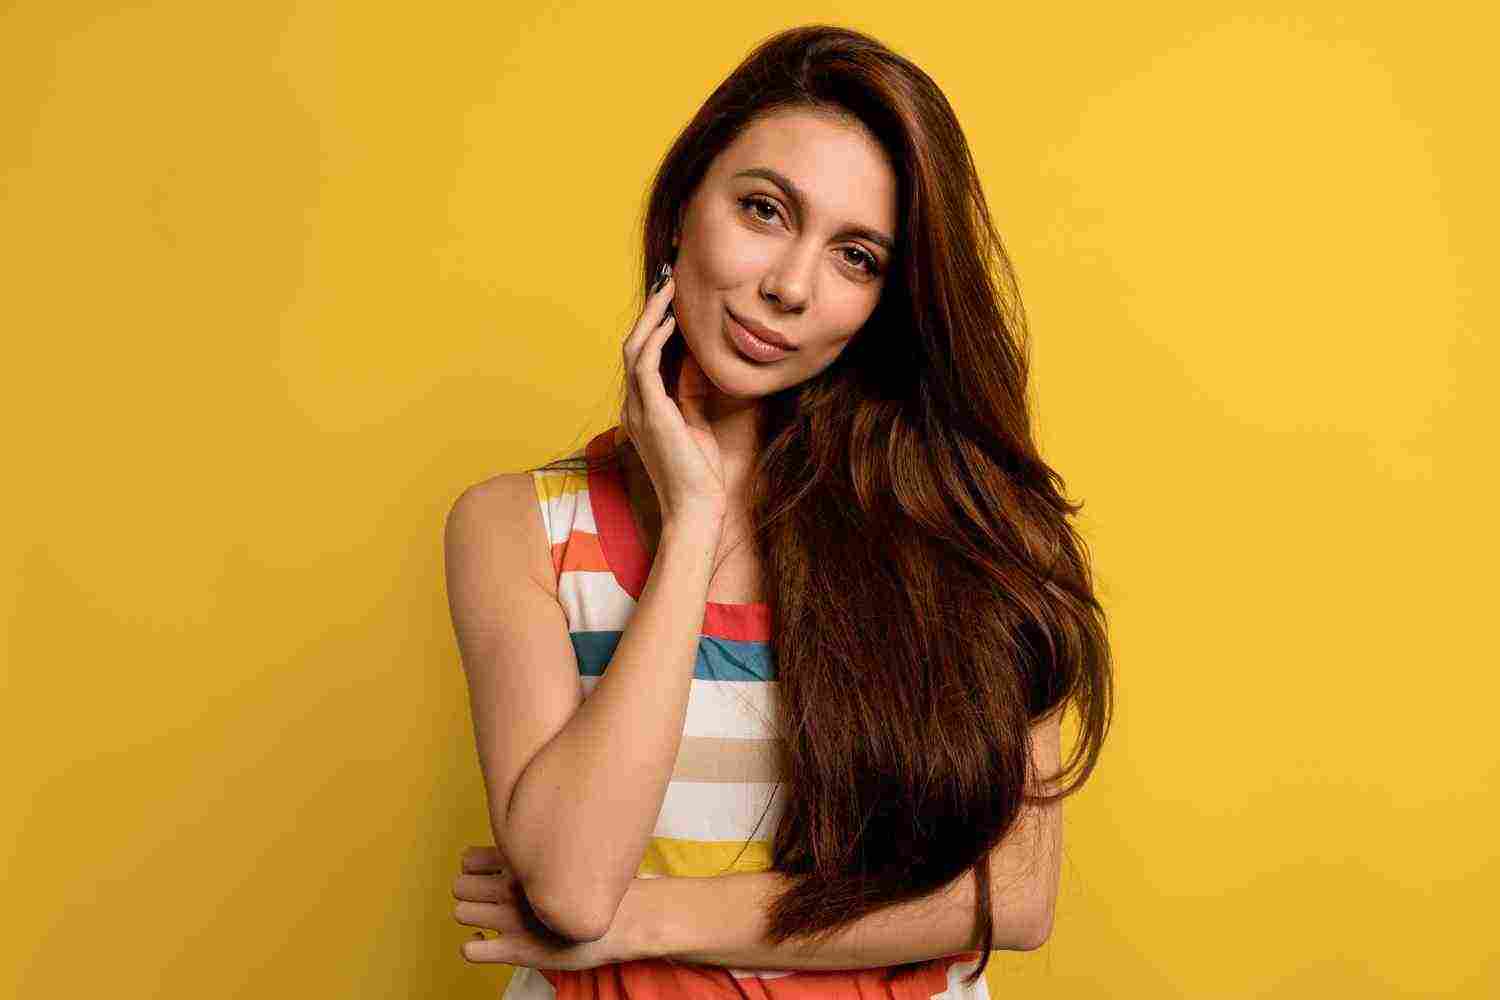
(767,680)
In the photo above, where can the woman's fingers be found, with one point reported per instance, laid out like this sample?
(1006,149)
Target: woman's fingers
(651,322)
(483,858)
(651,317)
(484,888)
(644,389)
(500,917)
(653,391)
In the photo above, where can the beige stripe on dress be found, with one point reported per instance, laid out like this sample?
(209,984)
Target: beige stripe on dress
(709,758)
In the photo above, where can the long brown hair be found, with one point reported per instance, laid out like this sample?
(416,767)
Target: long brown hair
(929,598)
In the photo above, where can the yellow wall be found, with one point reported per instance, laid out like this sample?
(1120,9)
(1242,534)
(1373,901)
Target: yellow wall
(278,280)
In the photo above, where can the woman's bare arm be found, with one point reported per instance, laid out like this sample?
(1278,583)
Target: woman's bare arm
(574,799)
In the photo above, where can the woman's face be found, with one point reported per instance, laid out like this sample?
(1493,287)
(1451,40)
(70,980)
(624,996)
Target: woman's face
(791,229)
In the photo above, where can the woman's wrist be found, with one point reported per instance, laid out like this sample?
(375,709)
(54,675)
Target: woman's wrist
(700,517)
(698,531)
(638,931)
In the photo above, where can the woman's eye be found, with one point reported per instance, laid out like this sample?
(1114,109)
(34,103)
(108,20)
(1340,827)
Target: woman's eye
(869,263)
(753,203)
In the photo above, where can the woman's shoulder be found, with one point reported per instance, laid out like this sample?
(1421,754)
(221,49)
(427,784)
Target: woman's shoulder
(512,506)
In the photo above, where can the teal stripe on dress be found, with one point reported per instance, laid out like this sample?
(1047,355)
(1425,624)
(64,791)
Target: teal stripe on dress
(718,659)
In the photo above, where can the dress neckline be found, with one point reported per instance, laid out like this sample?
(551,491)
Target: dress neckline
(625,552)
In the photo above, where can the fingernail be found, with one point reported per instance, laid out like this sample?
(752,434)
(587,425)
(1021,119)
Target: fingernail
(661,277)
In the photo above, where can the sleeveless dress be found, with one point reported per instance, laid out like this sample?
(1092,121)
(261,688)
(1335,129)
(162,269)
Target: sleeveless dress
(723,790)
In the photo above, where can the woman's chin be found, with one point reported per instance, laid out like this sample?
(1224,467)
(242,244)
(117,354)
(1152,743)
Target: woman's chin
(726,372)
(735,377)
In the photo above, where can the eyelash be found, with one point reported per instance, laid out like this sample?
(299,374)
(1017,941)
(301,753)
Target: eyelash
(871,267)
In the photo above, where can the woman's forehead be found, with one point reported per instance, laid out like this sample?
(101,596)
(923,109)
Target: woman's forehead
(802,132)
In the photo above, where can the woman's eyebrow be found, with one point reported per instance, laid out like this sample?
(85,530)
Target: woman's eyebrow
(800,201)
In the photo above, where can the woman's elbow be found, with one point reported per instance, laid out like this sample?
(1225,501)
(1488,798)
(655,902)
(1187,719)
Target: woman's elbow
(564,917)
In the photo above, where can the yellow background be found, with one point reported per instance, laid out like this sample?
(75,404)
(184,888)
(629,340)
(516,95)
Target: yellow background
(278,280)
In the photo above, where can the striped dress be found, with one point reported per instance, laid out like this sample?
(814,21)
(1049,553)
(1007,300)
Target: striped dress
(724,789)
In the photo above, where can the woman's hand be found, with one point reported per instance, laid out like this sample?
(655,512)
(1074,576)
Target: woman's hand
(489,896)
(674,440)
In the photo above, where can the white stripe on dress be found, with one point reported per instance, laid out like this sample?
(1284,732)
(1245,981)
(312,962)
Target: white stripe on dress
(740,710)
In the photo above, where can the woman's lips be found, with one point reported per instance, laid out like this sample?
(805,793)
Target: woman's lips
(751,346)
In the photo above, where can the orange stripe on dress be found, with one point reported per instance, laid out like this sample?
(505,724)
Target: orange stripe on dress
(656,979)
(580,552)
